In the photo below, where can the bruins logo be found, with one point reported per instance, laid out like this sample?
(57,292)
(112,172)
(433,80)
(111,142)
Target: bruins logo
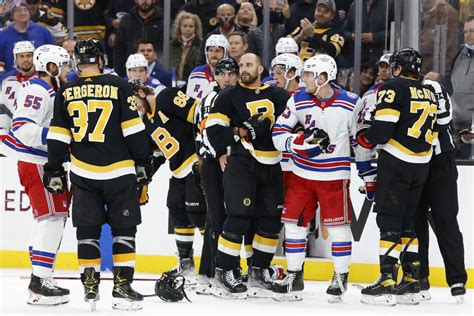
(85,4)
(213,21)
(133,102)
(247,201)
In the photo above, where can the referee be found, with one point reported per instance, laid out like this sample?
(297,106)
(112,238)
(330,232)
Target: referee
(440,194)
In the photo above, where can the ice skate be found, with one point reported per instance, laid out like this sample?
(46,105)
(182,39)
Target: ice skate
(381,292)
(338,287)
(203,285)
(124,296)
(226,285)
(91,279)
(425,289)
(458,291)
(260,283)
(46,292)
(407,292)
(290,288)
(186,268)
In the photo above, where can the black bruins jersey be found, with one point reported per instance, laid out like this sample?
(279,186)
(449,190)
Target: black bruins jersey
(405,117)
(170,126)
(328,40)
(237,104)
(97,117)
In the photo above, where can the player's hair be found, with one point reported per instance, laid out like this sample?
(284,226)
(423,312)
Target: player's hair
(469,19)
(146,42)
(175,28)
(242,35)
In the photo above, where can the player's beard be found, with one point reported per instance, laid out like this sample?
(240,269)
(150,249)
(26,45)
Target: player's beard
(26,69)
(248,78)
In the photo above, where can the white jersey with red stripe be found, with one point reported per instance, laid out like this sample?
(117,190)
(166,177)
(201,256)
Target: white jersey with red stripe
(10,86)
(27,137)
(200,82)
(336,116)
(287,159)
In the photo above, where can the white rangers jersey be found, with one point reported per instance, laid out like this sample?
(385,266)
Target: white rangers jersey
(27,137)
(10,86)
(337,117)
(286,157)
(200,82)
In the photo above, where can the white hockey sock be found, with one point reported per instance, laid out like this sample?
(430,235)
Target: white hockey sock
(341,247)
(295,246)
(47,238)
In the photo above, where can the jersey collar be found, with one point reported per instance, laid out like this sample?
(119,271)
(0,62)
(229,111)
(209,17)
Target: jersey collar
(324,103)
(262,87)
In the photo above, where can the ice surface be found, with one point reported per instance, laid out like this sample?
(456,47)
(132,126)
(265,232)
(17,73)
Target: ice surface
(13,294)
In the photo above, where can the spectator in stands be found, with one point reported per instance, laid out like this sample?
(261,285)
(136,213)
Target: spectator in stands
(375,32)
(117,10)
(225,19)
(439,24)
(143,22)
(237,45)
(277,30)
(462,80)
(186,34)
(155,70)
(68,45)
(321,36)
(299,10)
(246,18)
(368,73)
(41,15)
(342,7)
(206,10)
(22,29)
(89,17)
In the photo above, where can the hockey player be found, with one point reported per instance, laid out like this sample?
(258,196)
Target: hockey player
(440,196)
(403,125)
(241,118)
(201,80)
(25,70)
(27,142)
(95,121)
(286,45)
(137,69)
(213,165)
(321,173)
(169,122)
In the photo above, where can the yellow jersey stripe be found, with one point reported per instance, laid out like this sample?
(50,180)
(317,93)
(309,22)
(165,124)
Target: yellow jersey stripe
(185,164)
(184,230)
(89,262)
(407,151)
(219,117)
(130,123)
(60,130)
(387,244)
(102,169)
(265,241)
(229,244)
(390,112)
(405,241)
(190,117)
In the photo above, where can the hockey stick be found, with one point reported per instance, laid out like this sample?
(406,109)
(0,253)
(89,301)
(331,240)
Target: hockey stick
(24,277)
(7,111)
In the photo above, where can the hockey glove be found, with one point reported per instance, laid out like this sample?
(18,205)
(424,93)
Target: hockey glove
(196,170)
(143,194)
(360,136)
(310,144)
(257,126)
(370,177)
(157,159)
(144,172)
(54,180)
(137,85)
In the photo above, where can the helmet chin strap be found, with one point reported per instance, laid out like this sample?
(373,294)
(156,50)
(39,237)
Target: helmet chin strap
(57,76)
(288,79)
(318,87)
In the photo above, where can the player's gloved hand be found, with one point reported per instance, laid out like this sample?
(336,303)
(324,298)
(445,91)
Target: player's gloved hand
(157,159)
(196,170)
(370,178)
(54,179)
(144,172)
(360,136)
(143,194)
(310,144)
(137,85)
(257,126)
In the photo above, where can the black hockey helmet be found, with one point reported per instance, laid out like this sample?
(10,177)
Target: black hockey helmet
(226,64)
(170,288)
(408,58)
(88,51)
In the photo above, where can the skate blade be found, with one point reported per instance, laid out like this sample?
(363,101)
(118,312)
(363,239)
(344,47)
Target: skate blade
(335,298)
(408,299)
(459,299)
(425,296)
(126,305)
(295,296)
(41,300)
(385,300)
(258,292)
(221,293)
(204,289)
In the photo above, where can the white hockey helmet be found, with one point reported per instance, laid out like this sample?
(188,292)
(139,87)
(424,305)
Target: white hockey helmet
(286,45)
(136,61)
(217,40)
(46,54)
(321,64)
(288,61)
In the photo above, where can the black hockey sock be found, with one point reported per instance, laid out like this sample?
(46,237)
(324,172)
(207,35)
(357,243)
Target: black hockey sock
(390,248)
(184,240)
(123,249)
(409,255)
(228,251)
(88,247)
(264,247)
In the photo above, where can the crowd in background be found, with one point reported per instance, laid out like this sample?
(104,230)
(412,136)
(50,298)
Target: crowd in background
(127,27)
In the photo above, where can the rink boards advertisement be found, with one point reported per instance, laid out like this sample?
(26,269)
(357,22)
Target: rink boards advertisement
(156,247)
